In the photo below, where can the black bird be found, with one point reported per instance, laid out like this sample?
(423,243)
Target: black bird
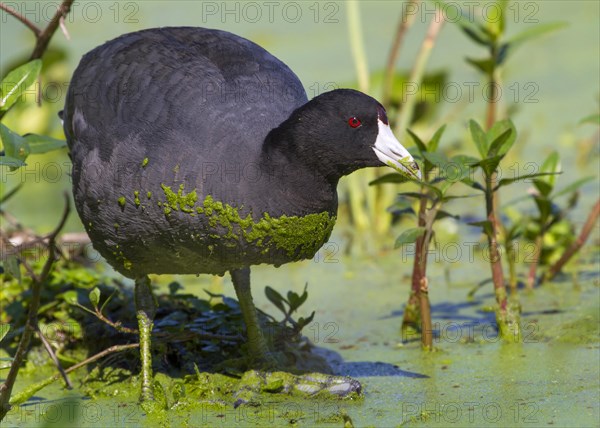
(196,151)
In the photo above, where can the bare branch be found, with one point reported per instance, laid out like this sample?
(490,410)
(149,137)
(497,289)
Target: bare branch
(406,21)
(36,30)
(573,249)
(54,357)
(28,392)
(44,37)
(31,324)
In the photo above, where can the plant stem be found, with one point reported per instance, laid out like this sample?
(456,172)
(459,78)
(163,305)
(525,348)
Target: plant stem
(357,45)
(412,313)
(31,324)
(54,357)
(416,76)
(512,270)
(572,250)
(507,316)
(406,21)
(537,251)
(426,328)
(492,94)
(494,254)
(424,306)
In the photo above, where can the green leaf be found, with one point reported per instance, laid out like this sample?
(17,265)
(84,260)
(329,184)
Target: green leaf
(4,329)
(594,119)
(497,130)
(401,206)
(419,143)
(70,297)
(452,197)
(303,322)
(573,186)
(174,287)
(436,159)
(422,148)
(12,162)
(39,144)
(435,140)
(500,145)
(295,300)
(466,23)
(392,177)
(545,208)
(552,165)
(459,167)
(95,297)
(472,183)
(14,145)
(409,236)
(415,195)
(475,33)
(507,181)
(484,65)
(17,81)
(479,138)
(533,32)
(543,187)
(490,165)
(443,214)
(275,298)
(486,225)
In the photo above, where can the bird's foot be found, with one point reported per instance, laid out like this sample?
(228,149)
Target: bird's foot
(255,382)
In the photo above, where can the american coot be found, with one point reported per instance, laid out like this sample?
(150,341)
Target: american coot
(196,151)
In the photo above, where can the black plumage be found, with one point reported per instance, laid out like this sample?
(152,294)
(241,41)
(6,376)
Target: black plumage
(197,151)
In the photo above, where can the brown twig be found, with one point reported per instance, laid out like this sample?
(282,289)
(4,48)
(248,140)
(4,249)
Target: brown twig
(27,393)
(31,324)
(406,21)
(44,37)
(36,30)
(412,313)
(572,250)
(405,114)
(54,357)
(425,307)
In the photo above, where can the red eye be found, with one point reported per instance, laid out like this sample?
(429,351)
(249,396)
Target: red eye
(354,122)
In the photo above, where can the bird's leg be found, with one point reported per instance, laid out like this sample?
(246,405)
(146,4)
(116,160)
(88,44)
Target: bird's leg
(257,344)
(145,306)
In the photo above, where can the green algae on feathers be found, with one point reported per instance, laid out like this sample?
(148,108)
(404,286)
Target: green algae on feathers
(179,201)
(299,237)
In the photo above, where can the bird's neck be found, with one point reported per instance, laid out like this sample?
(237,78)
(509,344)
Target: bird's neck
(297,184)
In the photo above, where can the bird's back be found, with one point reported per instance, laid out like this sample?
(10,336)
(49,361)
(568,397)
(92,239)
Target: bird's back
(199,89)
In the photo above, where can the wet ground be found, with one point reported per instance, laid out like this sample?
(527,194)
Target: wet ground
(472,379)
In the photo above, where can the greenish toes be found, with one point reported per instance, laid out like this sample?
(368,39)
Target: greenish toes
(299,236)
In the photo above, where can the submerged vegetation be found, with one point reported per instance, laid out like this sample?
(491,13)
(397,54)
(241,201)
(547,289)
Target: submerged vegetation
(61,310)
